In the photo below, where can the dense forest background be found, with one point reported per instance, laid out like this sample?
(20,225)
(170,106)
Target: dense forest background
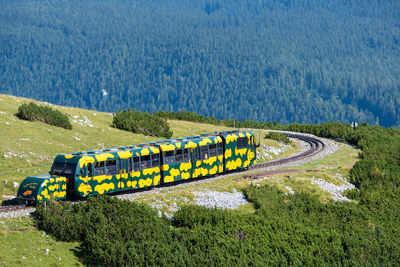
(267,60)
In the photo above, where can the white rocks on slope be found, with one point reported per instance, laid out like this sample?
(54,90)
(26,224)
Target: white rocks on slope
(266,151)
(335,190)
(222,200)
(83,122)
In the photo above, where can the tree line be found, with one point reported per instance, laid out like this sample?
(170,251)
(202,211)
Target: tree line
(268,60)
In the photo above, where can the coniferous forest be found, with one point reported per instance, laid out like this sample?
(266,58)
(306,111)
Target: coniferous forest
(268,60)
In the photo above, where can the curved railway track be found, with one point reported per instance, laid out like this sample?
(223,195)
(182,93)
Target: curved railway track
(316,146)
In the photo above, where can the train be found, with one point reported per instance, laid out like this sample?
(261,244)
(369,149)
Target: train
(128,168)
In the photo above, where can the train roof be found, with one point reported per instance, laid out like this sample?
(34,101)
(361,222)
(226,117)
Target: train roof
(152,147)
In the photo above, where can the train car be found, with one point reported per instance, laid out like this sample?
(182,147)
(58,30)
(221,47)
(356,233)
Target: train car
(191,157)
(240,150)
(132,167)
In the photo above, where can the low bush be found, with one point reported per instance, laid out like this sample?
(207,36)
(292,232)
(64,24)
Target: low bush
(113,232)
(352,194)
(278,137)
(141,122)
(46,114)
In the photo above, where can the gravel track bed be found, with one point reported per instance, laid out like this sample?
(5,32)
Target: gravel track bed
(17,213)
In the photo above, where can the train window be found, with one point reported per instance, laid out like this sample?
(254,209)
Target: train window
(135,163)
(242,142)
(204,152)
(179,155)
(58,168)
(69,168)
(186,155)
(220,148)
(145,162)
(169,157)
(64,169)
(213,150)
(99,168)
(155,160)
(89,167)
(111,167)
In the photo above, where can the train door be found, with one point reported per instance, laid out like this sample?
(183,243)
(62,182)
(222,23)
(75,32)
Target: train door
(123,174)
(187,158)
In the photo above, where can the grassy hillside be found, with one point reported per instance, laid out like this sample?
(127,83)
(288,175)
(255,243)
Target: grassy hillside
(28,148)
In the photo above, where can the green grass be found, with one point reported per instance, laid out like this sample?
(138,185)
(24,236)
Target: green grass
(27,248)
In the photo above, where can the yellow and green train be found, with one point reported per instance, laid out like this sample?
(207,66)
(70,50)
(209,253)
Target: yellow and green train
(139,166)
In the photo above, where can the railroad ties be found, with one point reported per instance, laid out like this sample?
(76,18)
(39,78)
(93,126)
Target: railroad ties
(316,147)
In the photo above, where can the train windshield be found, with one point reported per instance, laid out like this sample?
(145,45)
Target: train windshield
(64,169)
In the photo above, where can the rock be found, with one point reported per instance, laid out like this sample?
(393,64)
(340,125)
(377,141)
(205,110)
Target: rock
(222,200)
(289,189)
(335,190)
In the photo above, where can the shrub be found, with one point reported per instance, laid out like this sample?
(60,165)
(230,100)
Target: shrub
(141,122)
(46,114)
(352,193)
(113,232)
(278,137)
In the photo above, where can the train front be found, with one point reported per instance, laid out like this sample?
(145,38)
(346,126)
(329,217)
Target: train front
(52,186)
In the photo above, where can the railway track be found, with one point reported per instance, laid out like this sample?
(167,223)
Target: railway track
(12,208)
(316,146)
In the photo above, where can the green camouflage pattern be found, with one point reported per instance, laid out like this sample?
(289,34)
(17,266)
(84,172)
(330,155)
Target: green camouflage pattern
(196,167)
(86,183)
(239,158)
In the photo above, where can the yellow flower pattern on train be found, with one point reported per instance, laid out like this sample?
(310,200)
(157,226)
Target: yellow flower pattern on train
(85,160)
(104,187)
(124,154)
(104,157)
(185,166)
(157,179)
(101,178)
(173,173)
(214,170)
(185,175)
(228,153)
(131,184)
(234,164)
(241,152)
(143,182)
(150,171)
(232,159)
